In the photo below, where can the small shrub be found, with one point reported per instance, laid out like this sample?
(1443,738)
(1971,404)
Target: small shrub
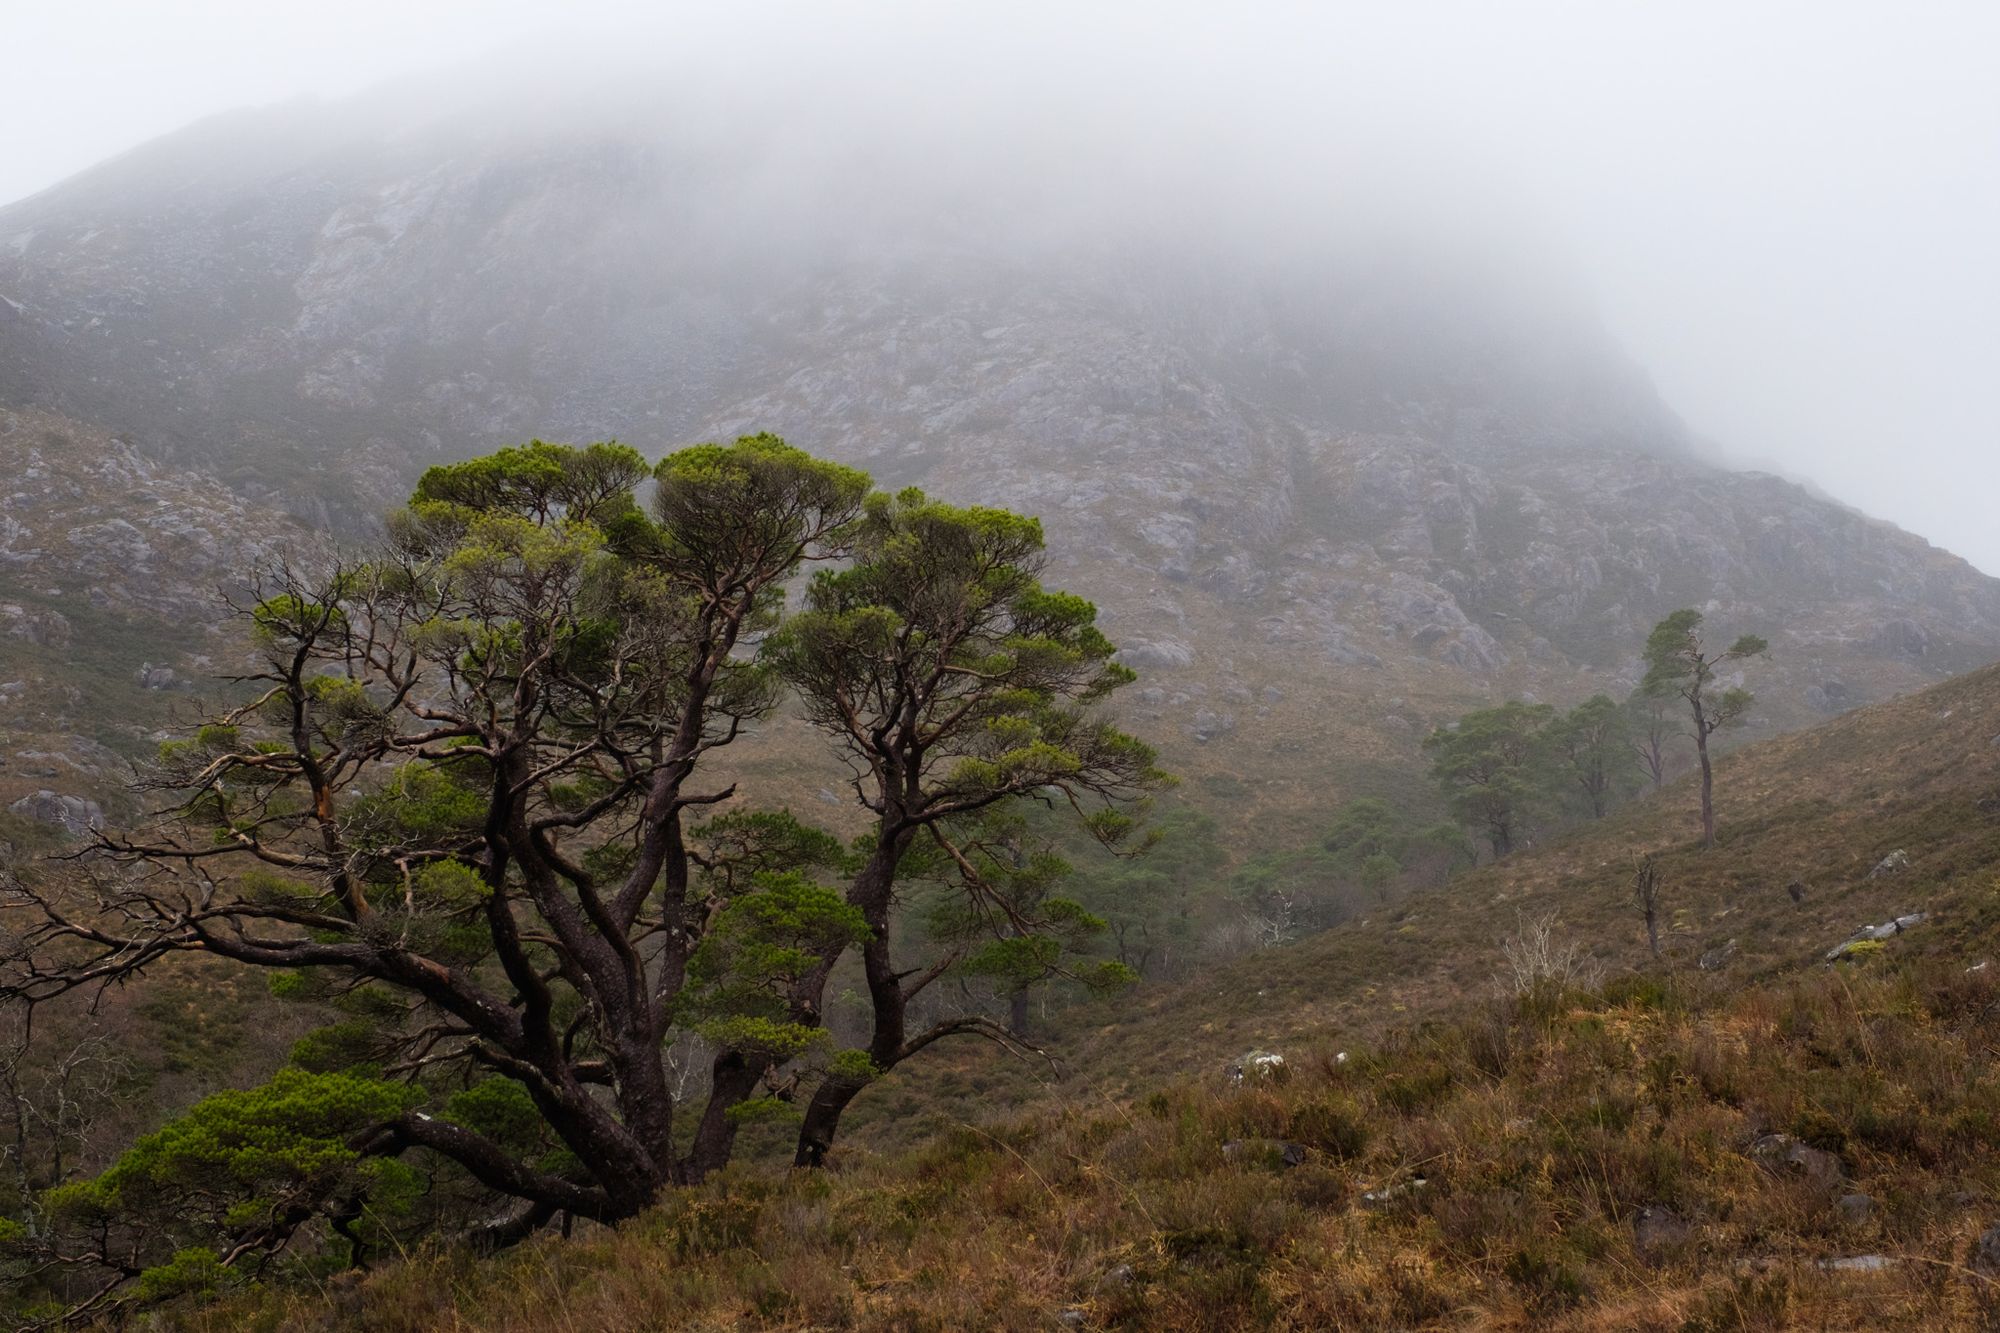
(1549,1282)
(1250,1114)
(1636,990)
(1412,1091)
(1539,957)
(1334,1127)
(1751,1303)
(1318,1187)
(1489,1044)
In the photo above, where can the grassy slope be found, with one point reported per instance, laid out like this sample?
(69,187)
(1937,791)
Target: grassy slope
(1542,1128)
(1820,808)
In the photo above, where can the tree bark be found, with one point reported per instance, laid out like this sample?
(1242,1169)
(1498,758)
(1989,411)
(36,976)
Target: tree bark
(1701,730)
(822,1121)
(733,1078)
(871,892)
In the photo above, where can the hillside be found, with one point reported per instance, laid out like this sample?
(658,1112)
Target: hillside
(1820,808)
(1724,1139)
(113,613)
(792,668)
(1328,495)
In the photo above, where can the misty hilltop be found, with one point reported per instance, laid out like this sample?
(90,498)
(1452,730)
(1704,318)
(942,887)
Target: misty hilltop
(1331,476)
(902,665)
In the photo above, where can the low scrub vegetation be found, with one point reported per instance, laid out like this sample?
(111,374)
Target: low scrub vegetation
(1657,1153)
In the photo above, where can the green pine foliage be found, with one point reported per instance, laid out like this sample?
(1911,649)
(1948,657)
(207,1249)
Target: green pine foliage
(1488,766)
(471,815)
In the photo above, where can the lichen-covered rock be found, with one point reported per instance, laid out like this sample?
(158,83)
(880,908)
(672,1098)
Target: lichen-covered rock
(1893,864)
(74,815)
(1986,1251)
(1259,1065)
(1656,1231)
(1869,938)
(1277,1153)
(1785,1155)
(1860,1263)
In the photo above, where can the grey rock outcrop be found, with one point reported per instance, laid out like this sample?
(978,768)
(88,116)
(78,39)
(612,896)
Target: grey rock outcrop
(1986,1251)
(1324,473)
(1656,1231)
(1887,930)
(1785,1155)
(1893,864)
(76,816)
(1717,958)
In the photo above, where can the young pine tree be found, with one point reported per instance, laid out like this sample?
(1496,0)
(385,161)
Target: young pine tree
(1679,665)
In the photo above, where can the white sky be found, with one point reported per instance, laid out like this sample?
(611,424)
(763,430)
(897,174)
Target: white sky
(1789,212)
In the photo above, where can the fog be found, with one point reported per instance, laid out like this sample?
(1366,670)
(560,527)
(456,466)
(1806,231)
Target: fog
(1784,213)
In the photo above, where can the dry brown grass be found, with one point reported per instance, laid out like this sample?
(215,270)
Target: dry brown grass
(1539,1128)
(1820,808)
(1540,1125)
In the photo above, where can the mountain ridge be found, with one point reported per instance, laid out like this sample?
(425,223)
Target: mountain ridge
(1326,497)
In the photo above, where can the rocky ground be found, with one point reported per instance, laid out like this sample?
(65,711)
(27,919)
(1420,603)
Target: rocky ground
(113,570)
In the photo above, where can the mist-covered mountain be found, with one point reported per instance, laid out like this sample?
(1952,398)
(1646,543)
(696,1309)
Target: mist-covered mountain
(1331,482)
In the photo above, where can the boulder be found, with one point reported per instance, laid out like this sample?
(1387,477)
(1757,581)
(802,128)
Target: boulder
(1279,1153)
(1856,1208)
(1124,1275)
(48,629)
(1986,1251)
(1875,934)
(1715,959)
(1655,1231)
(1902,638)
(74,815)
(1209,724)
(1156,654)
(1388,1194)
(1258,1065)
(1894,863)
(1784,1155)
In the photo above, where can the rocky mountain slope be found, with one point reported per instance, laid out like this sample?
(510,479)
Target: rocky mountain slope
(113,570)
(1327,499)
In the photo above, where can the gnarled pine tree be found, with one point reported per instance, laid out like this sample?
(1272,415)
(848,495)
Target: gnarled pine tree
(461,806)
(465,783)
(953,684)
